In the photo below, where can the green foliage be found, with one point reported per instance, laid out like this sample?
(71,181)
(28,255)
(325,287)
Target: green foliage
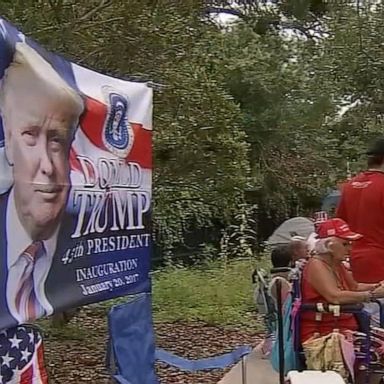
(276,104)
(283,114)
(64,332)
(309,88)
(217,293)
(200,153)
(240,238)
(353,61)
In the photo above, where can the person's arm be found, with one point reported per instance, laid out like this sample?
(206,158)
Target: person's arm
(324,282)
(360,287)
(366,287)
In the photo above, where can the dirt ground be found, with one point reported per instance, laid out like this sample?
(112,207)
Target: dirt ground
(76,353)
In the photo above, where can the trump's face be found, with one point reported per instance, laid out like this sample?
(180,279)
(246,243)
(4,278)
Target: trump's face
(37,145)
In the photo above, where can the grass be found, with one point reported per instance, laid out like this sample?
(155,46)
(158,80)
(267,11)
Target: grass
(67,332)
(218,294)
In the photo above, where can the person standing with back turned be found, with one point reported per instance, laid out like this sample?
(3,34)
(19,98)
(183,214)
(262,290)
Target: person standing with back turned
(362,207)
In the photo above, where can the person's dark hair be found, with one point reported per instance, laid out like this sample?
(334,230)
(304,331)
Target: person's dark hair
(281,256)
(375,161)
(375,152)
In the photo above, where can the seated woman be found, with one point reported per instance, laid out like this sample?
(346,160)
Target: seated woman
(326,280)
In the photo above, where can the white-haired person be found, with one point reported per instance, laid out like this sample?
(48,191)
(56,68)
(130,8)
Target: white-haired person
(326,280)
(40,113)
(299,248)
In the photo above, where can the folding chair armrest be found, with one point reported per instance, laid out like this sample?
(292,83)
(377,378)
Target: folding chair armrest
(381,311)
(326,307)
(281,270)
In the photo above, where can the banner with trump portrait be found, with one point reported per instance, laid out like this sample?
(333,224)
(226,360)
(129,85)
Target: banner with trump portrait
(75,183)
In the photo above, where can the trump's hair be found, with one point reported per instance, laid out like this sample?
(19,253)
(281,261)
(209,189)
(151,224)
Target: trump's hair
(30,72)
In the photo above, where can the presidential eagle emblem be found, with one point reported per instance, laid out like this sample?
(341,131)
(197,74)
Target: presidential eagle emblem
(117,133)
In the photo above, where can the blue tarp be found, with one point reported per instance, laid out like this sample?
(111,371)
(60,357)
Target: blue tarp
(331,200)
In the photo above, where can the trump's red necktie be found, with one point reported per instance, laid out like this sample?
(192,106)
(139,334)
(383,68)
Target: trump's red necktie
(27,305)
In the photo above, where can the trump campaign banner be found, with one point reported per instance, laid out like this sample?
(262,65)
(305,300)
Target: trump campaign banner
(75,183)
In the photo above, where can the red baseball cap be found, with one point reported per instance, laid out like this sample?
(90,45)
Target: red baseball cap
(337,228)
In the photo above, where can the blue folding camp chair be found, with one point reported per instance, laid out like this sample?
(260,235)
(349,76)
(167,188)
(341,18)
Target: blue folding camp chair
(131,345)
(131,350)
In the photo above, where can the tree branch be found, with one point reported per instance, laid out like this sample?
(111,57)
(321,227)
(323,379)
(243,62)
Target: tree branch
(55,9)
(101,22)
(90,54)
(103,4)
(80,26)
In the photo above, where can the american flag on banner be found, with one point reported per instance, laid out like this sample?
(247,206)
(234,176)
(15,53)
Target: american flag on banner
(22,356)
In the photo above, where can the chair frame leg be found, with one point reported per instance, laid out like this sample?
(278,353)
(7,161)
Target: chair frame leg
(243,370)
